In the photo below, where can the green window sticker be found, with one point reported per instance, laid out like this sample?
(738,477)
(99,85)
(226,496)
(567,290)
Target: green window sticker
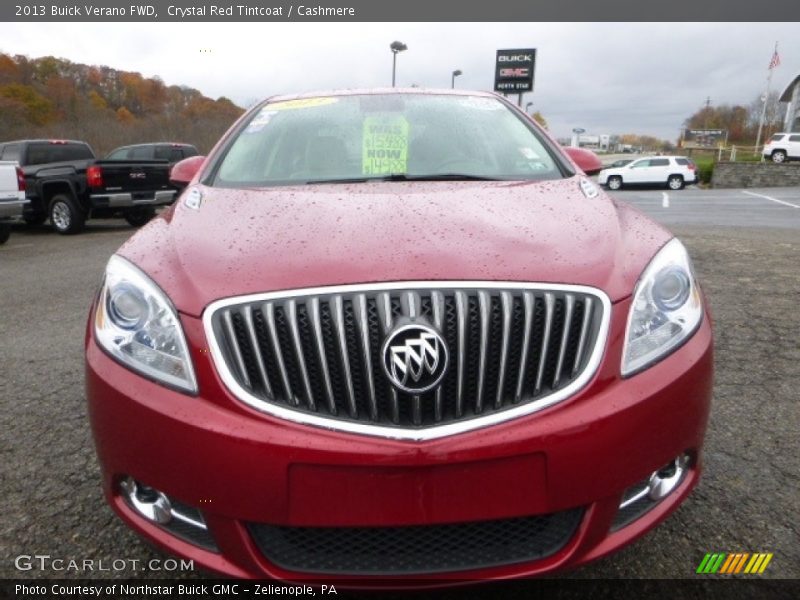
(385,145)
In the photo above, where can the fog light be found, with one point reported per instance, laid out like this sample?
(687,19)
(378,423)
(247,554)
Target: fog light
(640,498)
(181,520)
(148,502)
(667,478)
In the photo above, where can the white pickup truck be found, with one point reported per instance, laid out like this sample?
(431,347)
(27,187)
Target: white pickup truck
(12,197)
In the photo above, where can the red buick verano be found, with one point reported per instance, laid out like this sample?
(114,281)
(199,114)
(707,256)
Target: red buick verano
(396,336)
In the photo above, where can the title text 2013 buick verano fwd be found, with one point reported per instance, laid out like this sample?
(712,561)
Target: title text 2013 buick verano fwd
(396,337)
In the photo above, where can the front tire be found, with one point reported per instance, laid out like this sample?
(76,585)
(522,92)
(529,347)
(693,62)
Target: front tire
(139,216)
(779,156)
(675,182)
(614,183)
(5,232)
(66,217)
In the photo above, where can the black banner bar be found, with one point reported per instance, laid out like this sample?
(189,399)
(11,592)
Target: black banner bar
(396,10)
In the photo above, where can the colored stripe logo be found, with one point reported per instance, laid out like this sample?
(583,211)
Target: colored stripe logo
(735,563)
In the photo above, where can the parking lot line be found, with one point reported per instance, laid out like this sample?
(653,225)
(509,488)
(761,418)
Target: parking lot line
(665,199)
(770,198)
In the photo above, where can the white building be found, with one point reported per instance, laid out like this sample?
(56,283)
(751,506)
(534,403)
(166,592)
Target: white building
(791,95)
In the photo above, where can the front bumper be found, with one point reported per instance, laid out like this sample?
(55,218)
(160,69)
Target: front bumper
(241,468)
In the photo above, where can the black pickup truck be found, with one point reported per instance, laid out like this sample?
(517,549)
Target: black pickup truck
(66,184)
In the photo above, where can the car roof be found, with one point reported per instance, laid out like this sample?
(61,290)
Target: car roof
(150,144)
(46,141)
(662,156)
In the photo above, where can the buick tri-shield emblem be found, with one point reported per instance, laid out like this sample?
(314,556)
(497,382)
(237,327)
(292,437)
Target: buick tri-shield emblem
(415,358)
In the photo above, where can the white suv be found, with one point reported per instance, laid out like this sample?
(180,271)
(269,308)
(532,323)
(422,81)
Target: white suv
(672,171)
(782,147)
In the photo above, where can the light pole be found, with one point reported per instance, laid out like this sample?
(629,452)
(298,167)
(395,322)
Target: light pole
(528,106)
(396,47)
(456,73)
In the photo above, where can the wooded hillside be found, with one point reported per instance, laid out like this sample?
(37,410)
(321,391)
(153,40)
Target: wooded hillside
(54,98)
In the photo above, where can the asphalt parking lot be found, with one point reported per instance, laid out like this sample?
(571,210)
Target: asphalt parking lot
(746,249)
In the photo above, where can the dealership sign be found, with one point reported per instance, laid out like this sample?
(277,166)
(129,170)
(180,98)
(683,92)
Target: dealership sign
(704,138)
(513,72)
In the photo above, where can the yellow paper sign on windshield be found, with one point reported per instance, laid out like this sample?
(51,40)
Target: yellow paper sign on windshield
(385,145)
(301,103)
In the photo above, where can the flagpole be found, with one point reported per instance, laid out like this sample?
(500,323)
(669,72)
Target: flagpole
(766,99)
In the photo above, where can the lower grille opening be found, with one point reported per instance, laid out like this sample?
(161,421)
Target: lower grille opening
(417,549)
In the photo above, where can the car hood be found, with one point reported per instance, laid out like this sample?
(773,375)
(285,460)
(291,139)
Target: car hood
(249,241)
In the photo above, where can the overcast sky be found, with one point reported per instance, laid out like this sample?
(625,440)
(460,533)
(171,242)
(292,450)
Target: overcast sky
(604,77)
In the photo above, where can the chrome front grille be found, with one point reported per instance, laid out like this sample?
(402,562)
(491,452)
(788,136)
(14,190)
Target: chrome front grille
(315,356)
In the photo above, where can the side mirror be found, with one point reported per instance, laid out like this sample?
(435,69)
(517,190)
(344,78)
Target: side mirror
(586,160)
(184,171)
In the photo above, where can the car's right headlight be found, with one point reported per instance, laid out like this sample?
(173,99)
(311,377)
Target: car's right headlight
(137,324)
(666,309)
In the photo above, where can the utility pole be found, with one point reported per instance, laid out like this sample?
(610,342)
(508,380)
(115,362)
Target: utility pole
(708,107)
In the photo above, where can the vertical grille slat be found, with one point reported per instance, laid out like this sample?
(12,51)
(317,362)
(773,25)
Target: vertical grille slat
(316,326)
(411,304)
(323,353)
(268,311)
(291,313)
(461,318)
(507,305)
(385,310)
(341,335)
(260,362)
(528,304)
(416,409)
(233,340)
(483,310)
(549,306)
(587,317)
(363,326)
(437,299)
(570,299)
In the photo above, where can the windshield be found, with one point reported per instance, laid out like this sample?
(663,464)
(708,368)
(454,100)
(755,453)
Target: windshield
(383,136)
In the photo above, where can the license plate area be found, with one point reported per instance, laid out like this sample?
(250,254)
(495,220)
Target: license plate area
(332,495)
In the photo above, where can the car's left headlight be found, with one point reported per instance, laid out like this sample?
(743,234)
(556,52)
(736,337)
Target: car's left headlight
(666,309)
(137,324)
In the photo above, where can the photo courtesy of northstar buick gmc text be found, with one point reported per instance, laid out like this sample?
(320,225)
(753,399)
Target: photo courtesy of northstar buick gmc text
(395,337)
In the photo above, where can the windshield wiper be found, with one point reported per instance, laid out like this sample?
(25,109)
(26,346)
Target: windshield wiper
(407,177)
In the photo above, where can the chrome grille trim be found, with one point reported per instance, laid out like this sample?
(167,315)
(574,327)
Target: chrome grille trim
(338,322)
(506,300)
(251,330)
(438,314)
(385,310)
(291,311)
(237,351)
(461,316)
(582,338)
(564,337)
(269,313)
(549,302)
(361,318)
(527,300)
(316,323)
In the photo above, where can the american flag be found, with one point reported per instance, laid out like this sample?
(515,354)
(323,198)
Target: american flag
(776,60)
